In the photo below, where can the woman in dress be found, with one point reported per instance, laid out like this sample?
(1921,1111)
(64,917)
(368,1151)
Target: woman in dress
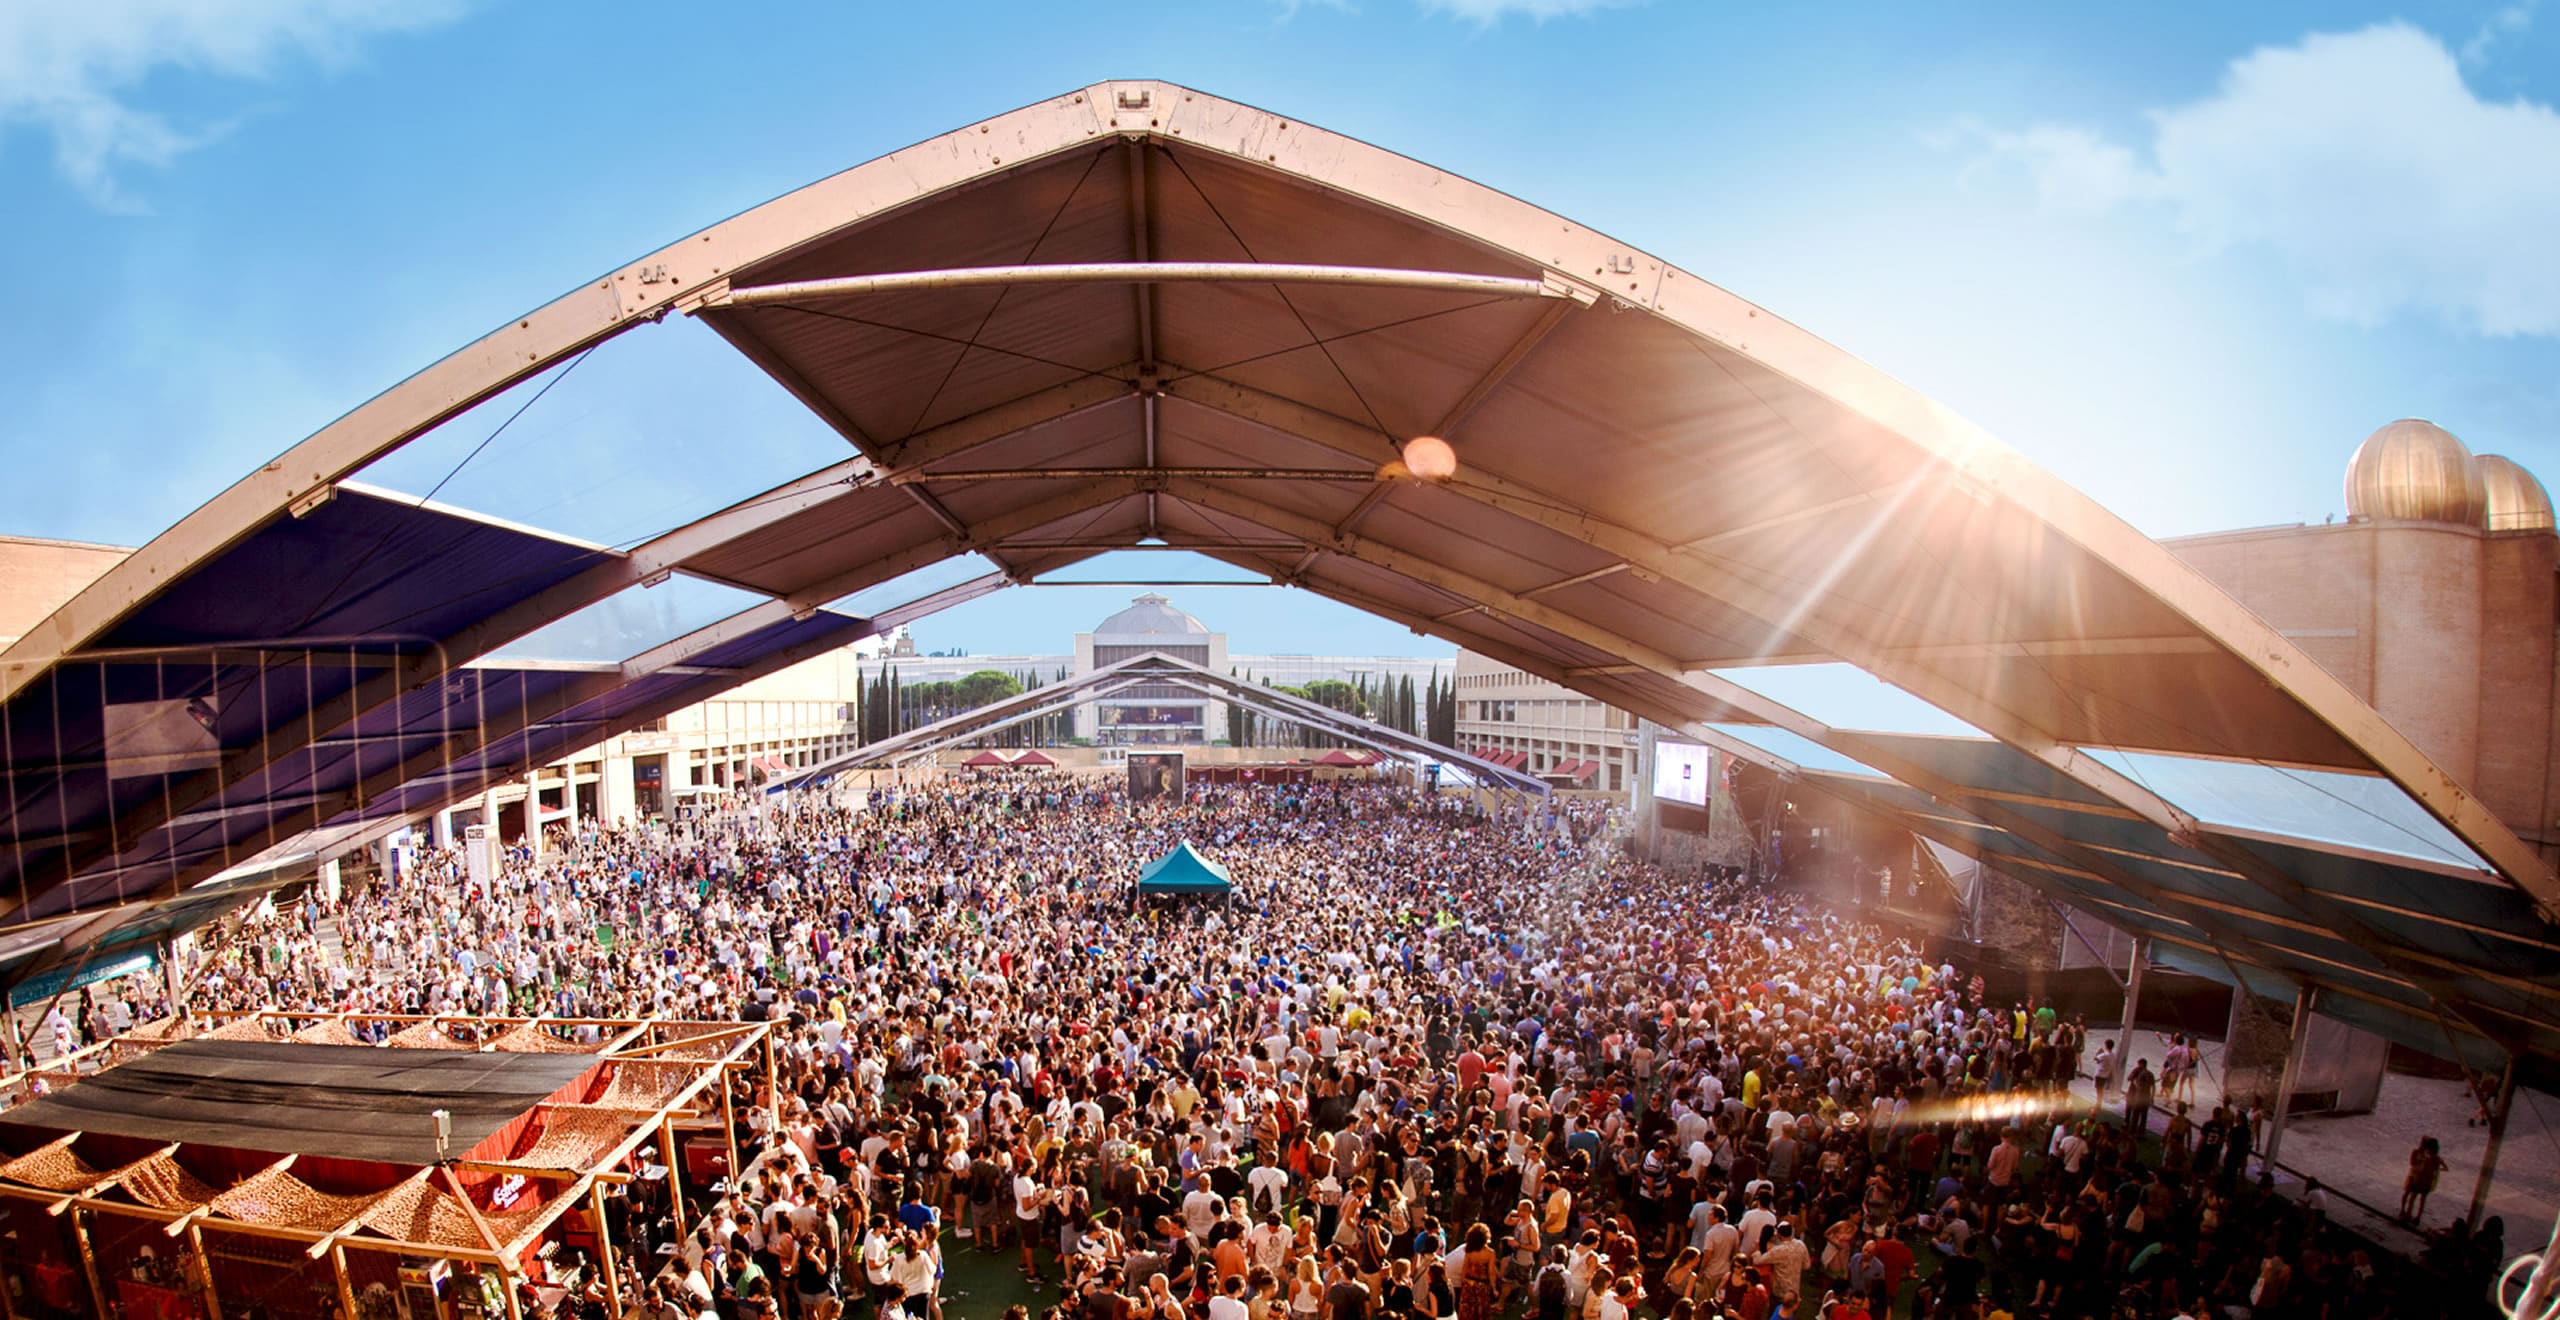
(2426,1164)
(1479,1273)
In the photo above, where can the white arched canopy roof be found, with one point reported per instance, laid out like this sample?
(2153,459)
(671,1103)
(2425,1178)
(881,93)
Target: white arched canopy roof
(1139,313)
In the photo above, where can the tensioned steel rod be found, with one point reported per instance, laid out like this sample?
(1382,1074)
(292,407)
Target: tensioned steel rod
(1144,272)
(1137,473)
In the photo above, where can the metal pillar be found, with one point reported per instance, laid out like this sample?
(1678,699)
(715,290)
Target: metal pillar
(2497,1137)
(2132,1006)
(2294,1044)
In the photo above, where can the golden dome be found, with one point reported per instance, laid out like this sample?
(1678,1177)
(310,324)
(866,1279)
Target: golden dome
(2414,471)
(2516,502)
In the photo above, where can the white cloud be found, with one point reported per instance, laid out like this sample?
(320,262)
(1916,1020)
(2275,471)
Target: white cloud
(73,69)
(2507,22)
(1489,12)
(2362,161)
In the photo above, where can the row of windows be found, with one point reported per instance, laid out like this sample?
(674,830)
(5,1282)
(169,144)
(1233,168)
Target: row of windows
(774,714)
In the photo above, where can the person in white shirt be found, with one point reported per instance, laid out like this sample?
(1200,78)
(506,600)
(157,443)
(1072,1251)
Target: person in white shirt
(918,1275)
(1717,1245)
(1619,1302)
(1200,1208)
(1228,1303)
(1267,1245)
(1267,1186)
(1028,1197)
(1756,1222)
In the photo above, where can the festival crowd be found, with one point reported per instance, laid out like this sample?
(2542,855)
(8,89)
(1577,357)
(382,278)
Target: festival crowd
(1424,1064)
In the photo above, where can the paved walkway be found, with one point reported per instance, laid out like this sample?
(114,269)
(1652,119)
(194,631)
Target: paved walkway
(2363,1157)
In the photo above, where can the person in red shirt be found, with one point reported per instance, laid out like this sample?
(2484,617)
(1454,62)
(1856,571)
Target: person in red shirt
(1897,1263)
(1755,1303)
(1848,1307)
(1920,1156)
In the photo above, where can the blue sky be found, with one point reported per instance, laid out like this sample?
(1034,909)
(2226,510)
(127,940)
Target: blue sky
(2183,256)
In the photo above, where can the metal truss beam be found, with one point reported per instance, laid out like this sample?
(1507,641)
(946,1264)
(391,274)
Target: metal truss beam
(987,534)
(801,292)
(1727,693)
(1158,667)
(651,562)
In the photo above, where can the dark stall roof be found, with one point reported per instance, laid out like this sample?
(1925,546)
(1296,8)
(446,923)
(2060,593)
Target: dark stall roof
(356,1102)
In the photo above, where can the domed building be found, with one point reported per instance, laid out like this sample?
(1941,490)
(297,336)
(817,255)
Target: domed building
(2516,501)
(2414,471)
(1154,713)
(2433,601)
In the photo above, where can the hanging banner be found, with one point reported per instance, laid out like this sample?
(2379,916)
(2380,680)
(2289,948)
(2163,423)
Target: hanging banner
(36,989)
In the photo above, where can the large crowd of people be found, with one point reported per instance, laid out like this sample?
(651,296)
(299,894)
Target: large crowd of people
(1423,1064)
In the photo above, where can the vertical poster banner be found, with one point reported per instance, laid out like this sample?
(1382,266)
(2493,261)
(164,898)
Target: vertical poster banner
(1154,775)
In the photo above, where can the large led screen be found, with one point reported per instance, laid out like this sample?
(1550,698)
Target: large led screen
(1683,772)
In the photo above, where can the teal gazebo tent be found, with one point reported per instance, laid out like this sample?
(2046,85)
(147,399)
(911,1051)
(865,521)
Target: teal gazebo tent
(1184,871)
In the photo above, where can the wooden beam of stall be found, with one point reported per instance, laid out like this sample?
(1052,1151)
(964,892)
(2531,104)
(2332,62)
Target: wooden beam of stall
(629,1032)
(676,1104)
(204,1267)
(675,1175)
(497,1248)
(206,1211)
(772,1081)
(89,1261)
(645,1051)
(316,1249)
(606,1257)
(536,1171)
(546,1216)
(110,1182)
(346,1286)
(306,1237)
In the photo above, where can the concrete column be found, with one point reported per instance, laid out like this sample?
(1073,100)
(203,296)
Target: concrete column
(2497,1138)
(618,793)
(2300,1037)
(1647,810)
(533,806)
(177,979)
(2132,1010)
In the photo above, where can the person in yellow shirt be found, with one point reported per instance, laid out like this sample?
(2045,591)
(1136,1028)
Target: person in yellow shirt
(1751,1089)
(1559,1209)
